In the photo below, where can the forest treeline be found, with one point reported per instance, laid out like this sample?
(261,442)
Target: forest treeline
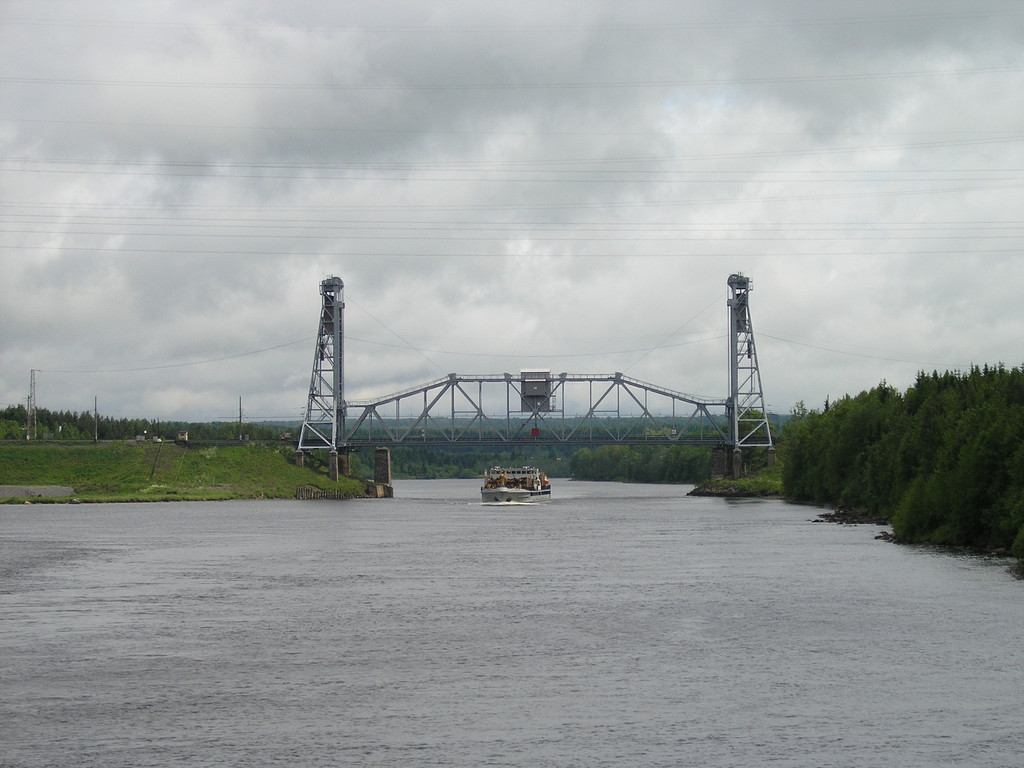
(642,464)
(943,461)
(75,425)
(623,463)
(472,461)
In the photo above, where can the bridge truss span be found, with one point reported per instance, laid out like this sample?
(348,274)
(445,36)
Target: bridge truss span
(537,407)
(534,406)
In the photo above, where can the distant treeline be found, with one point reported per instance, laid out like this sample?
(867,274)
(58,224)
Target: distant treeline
(944,461)
(472,461)
(642,464)
(74,425)
(635,464)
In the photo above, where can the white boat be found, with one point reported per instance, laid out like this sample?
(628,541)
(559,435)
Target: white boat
(515,485)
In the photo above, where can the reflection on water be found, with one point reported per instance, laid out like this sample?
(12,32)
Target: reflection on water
(615,625)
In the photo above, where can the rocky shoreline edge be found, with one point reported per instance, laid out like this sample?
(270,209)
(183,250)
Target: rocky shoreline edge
(838,515)
(842,516)
(845,516)
(736,493)
(855,517)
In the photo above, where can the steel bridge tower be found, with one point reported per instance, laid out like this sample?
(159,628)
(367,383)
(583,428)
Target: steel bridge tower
(324,425)
(748,416)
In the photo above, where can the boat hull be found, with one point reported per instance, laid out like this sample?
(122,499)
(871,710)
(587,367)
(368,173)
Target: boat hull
(503,495)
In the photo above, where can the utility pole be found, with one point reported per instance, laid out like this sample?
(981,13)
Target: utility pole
(30,431)
(95,419)
(239,418)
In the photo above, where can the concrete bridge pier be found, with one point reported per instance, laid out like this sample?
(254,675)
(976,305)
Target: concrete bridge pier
(339,464)
(737,464)
(726,463)
(382,487)
(719,463)
(382,466)
(300,459)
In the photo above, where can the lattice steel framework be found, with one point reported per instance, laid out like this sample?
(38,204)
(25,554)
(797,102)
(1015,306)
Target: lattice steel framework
(530,407)
(505,409)
(324,425)
(748,417)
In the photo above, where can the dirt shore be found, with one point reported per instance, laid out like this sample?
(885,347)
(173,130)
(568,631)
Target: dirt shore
(35,491)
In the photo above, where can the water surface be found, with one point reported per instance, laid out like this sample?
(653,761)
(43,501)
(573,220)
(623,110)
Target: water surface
(616,625)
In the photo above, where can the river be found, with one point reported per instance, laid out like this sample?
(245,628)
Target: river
(618,625)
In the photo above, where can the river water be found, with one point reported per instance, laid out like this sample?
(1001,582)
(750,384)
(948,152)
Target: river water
(618,625)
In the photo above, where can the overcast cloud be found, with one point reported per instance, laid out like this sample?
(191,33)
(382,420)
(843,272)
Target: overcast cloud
(503,185)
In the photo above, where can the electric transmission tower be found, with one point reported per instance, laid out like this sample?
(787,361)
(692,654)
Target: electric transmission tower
(324,425)
(748,416)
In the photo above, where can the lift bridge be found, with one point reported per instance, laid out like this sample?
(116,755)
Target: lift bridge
(535,407)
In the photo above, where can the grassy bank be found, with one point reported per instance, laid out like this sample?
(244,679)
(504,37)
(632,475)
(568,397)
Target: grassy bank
(765,483)
(129,471)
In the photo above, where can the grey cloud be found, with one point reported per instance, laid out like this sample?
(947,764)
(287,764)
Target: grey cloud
(574,180)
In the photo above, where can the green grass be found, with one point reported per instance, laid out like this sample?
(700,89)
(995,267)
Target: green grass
(162,471)
(764,482)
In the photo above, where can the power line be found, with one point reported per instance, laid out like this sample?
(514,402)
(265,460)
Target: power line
(505,256)
(263,220)
(662,27)
(663,344)
(654,204)
(865,356)
(178,365)
(454,234)
(552,356)
(716,82)
(421,352)
(336,129)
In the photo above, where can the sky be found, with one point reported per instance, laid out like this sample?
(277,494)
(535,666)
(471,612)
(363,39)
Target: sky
(563,185)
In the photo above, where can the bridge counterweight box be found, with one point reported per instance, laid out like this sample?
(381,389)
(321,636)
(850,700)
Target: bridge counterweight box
(535,390)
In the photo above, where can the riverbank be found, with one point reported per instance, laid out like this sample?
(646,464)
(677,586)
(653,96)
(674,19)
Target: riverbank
(765,484)
(36,491)
(129,471)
